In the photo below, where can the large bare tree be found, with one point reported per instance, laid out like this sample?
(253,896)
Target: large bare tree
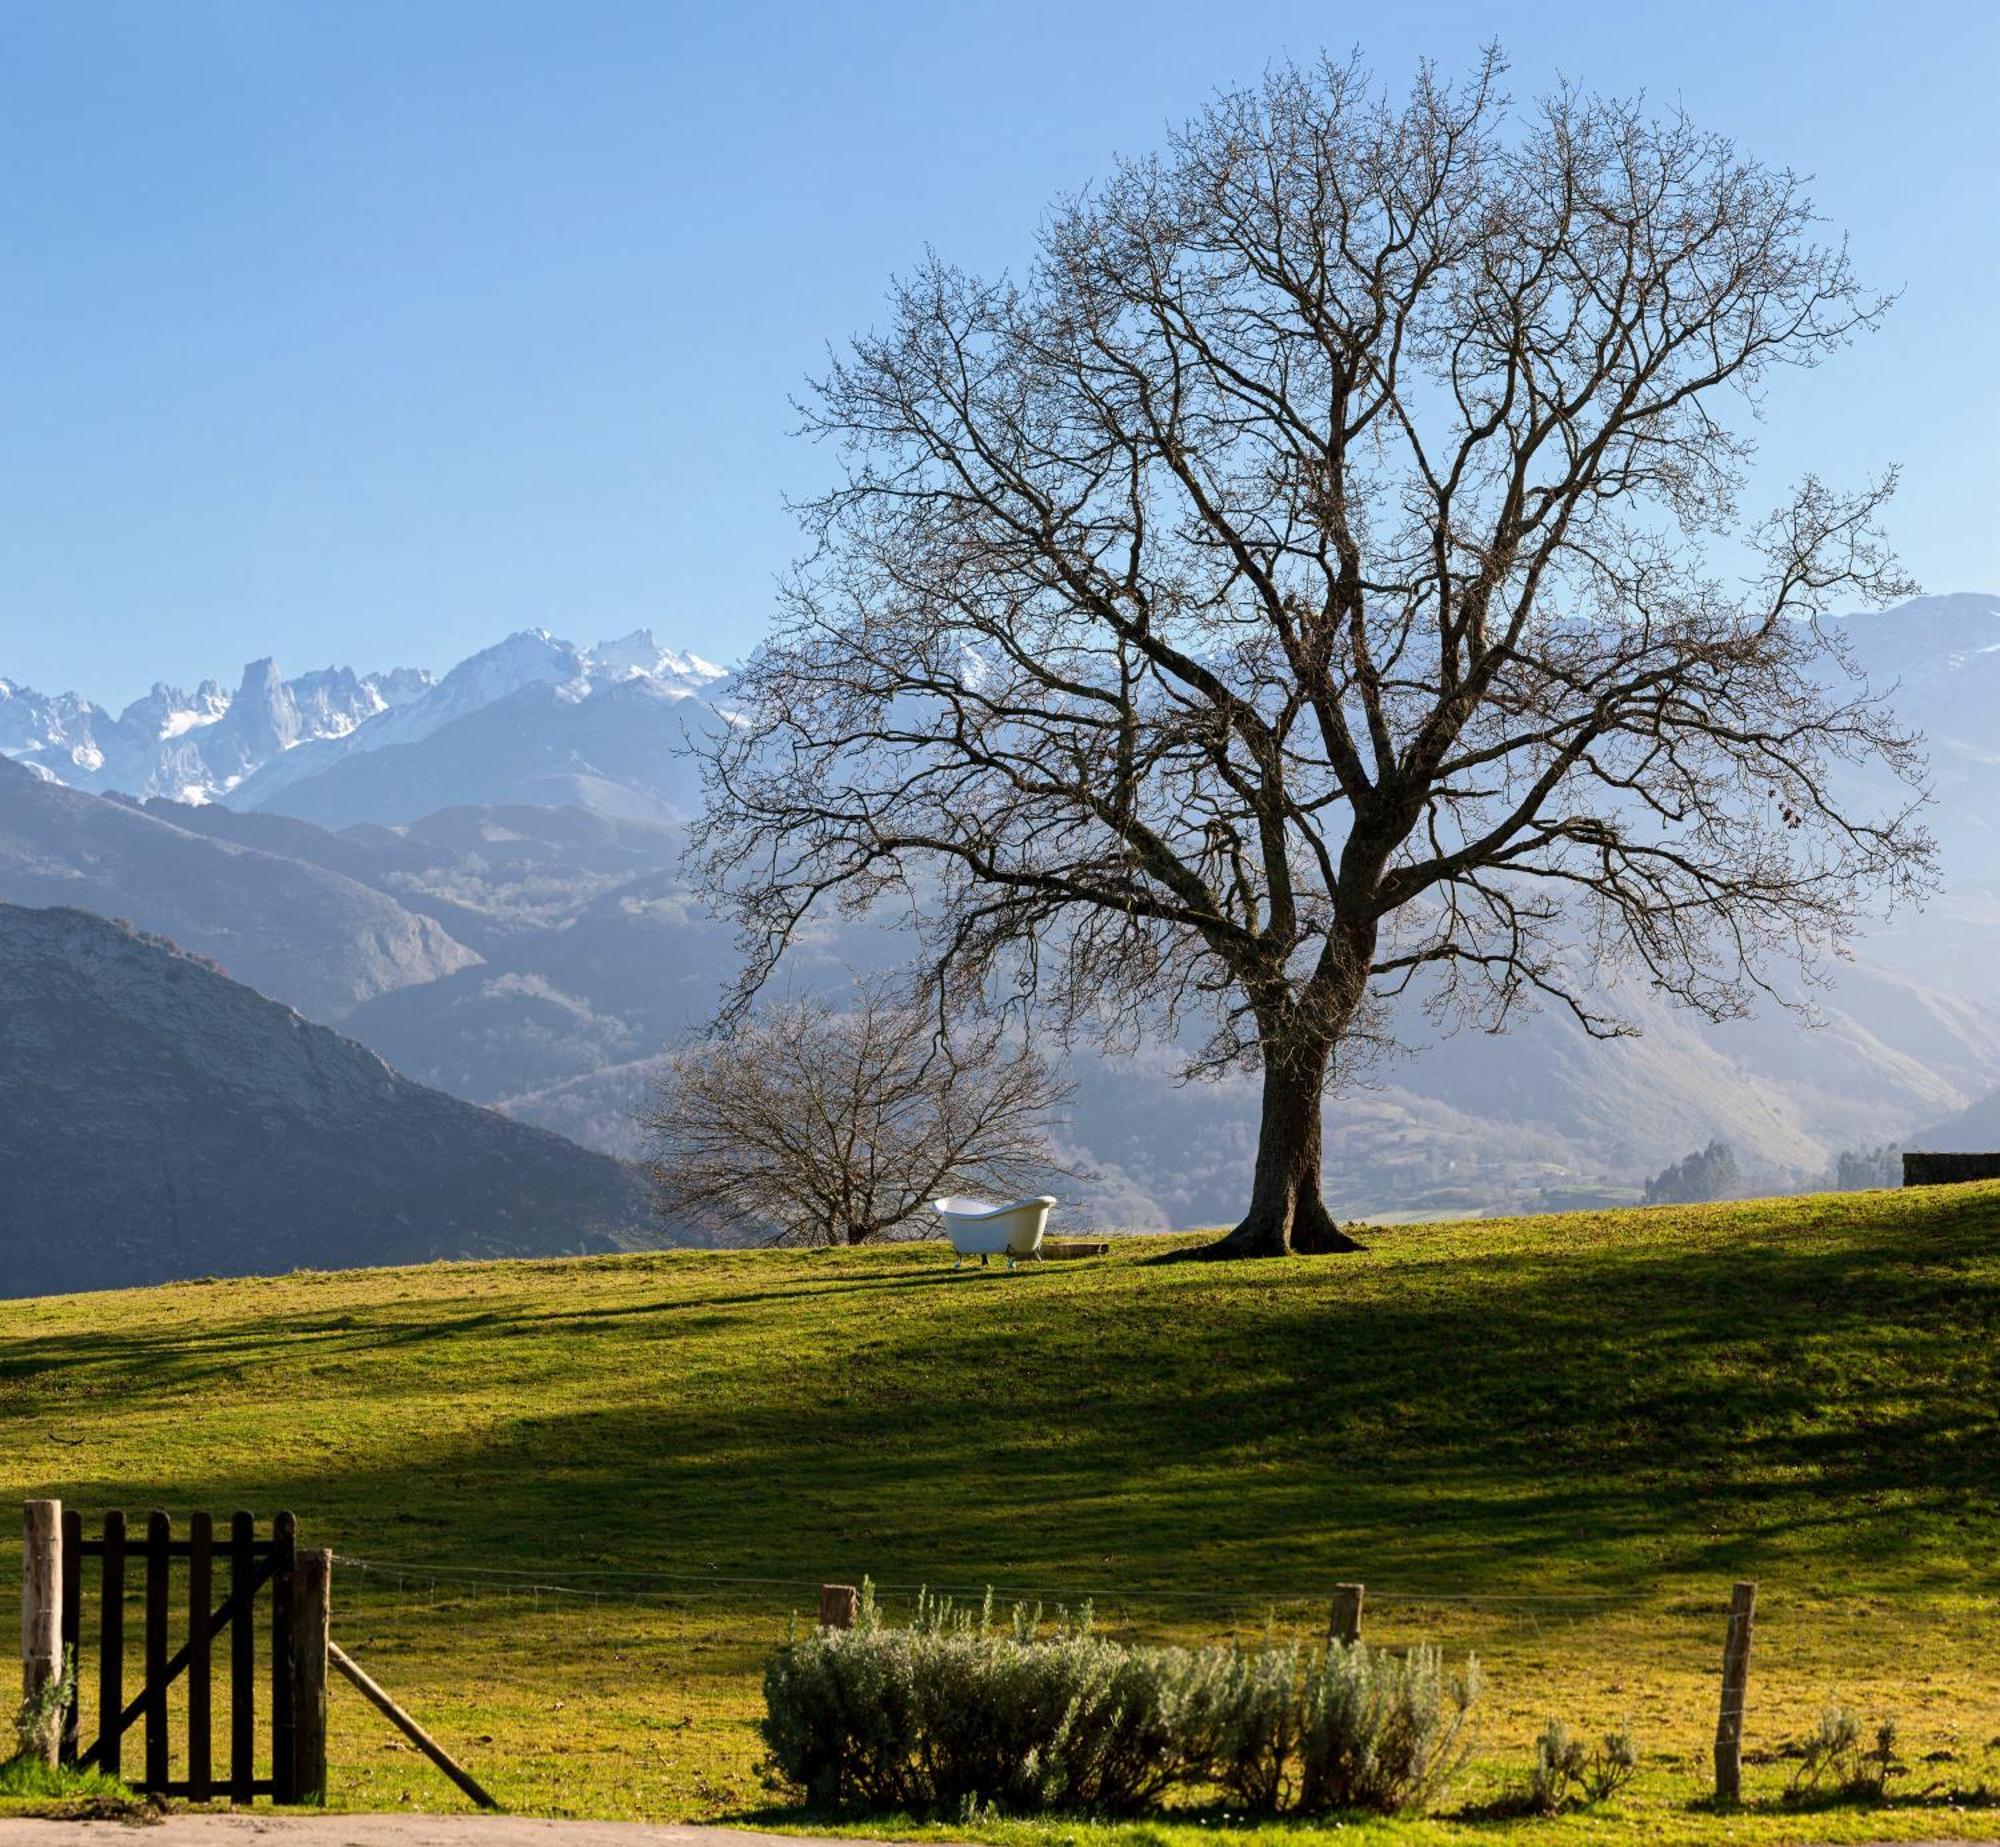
(1322,576)
(827,1120)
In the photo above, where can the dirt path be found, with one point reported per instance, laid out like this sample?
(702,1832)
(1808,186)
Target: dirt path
(265,1830)
(260,1830)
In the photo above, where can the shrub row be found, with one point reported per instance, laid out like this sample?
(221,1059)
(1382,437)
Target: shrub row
(958,1709)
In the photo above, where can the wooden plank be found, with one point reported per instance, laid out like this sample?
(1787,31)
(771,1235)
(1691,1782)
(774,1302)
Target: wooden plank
(1735,1685)
(158,1531)
(1344,1622)
(41,1622)
(285,1538)
(408,1726)
(178,1548)
(72,1628)
(111,1652)
(242,1660)
(201,1629)
(311,1600)
(181,1787)
(1064,1248)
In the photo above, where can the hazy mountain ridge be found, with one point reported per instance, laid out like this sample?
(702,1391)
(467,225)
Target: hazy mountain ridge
(525,807)
(302,933)
(159,1120)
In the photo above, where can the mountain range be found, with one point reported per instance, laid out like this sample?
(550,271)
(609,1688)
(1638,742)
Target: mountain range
(549,701)
(158,1120)
(479,880)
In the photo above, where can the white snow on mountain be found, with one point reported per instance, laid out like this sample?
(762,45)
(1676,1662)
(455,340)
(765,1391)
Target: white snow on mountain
(192,747)
(457,719)
(639,656)
(206,746)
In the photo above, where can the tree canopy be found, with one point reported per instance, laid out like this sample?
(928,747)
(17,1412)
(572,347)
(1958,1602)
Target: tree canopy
(1320,579)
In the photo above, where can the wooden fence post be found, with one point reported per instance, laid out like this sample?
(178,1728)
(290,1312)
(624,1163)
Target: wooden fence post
(41,1618)
(1735,1679)
(839,1604)
(1344,1626)
(312,1597)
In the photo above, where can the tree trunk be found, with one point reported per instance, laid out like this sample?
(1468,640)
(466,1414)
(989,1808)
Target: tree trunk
(1286,1212)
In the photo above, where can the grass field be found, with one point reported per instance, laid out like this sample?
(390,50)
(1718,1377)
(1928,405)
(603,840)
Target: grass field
(577,1503)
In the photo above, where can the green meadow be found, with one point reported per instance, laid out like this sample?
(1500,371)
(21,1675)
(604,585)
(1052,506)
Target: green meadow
(578,1504)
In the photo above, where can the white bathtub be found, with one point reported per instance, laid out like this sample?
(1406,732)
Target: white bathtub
(979,1229)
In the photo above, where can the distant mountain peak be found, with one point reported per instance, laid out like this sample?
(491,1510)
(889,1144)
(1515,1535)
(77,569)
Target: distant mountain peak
(193,747)
(639,656)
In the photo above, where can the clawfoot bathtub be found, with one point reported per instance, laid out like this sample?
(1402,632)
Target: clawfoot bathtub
(978,1229)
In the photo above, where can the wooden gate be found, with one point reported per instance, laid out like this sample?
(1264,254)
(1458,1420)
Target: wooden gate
(231,1588)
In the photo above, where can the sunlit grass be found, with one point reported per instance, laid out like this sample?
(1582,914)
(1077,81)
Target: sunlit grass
(1554,1440)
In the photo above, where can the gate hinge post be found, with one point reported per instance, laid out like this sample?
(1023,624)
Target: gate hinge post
(41,1628)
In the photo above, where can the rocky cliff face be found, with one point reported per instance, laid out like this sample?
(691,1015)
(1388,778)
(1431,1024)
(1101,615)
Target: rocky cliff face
(304,934)
(158,1120)
(193,746)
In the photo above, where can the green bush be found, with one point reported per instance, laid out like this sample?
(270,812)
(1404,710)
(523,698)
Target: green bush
(1253,1731)
(959,1711)
(1380,1731)
(1567,1770)
(1834,1761)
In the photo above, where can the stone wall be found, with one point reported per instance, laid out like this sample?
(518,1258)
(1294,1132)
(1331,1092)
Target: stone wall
(1949,1169)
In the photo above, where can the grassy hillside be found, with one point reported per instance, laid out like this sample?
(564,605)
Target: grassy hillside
(587,1495)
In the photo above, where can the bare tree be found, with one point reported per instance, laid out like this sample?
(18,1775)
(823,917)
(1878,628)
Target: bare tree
(1302,588)
(814,1123)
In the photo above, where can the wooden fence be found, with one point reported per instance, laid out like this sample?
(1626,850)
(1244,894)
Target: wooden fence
(270,1589)
(265,1641)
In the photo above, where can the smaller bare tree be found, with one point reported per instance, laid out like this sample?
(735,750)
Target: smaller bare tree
(820,1123)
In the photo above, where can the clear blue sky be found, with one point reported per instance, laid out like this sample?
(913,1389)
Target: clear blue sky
(367,330)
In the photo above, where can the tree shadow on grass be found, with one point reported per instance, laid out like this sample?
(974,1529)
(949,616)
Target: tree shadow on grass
(1593,1419)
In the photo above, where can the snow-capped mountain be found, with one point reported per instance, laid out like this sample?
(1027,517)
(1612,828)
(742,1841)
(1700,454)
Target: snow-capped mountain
(193,747)
(564,712)
(263,745)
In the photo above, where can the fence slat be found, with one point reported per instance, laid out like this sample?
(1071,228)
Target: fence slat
(408,1726)
(242,1660)
(284,1559)
(72,1626)
(200,1702)
(111,1656)
(159,1531)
